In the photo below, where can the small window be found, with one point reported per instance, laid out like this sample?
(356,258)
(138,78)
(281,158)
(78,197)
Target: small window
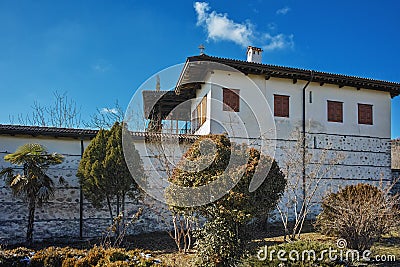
(365,114)
(281,106)
(231,99)
(335,111)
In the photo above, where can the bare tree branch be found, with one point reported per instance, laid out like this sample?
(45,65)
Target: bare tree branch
(63,112)
(301,195)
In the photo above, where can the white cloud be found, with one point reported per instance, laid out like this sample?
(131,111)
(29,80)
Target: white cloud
(221,28)
(272,26)
(101,66)
(201,9)
(109,110)
(279,41)
(283,11)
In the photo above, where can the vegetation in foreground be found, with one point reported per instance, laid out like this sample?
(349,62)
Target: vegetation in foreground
(159,250)
(70,257)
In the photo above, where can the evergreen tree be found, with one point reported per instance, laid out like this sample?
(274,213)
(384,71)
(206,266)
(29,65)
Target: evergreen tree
(103,172)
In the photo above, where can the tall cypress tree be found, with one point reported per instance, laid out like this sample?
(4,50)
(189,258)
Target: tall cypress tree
(103,172)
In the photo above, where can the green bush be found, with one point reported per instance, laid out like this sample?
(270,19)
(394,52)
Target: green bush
(216,159)
(360,214)
(299,246)
(217,244)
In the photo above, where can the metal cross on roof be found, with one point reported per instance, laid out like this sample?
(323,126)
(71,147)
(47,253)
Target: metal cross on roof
(201,47)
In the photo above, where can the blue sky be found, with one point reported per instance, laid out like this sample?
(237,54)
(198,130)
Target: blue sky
(102,51)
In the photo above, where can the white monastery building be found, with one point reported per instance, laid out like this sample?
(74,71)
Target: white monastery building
(252,102)
(347,114)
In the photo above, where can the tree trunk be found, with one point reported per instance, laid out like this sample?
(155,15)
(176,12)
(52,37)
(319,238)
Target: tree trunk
(123,208)
(31,220)
(110,209)
(118,209)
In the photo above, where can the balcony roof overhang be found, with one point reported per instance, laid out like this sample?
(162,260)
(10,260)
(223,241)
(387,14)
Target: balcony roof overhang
(167,104)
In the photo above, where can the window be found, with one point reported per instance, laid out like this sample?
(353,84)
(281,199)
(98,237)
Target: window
(230,100)
(199,114)
(335,111)
(364,114)
(281,106)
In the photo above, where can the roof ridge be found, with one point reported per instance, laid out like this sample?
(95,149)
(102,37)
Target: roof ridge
(321,77)
(295,68)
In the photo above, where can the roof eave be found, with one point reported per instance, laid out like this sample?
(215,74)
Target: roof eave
(301,74)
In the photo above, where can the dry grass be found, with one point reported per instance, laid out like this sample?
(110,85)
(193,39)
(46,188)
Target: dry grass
(177,259)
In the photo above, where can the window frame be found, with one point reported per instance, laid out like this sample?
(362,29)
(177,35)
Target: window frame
(227,94)
(282,111)
(333,117)
(363,119)
(199,114)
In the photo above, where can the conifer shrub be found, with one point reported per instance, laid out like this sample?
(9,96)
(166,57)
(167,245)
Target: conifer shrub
(53,256)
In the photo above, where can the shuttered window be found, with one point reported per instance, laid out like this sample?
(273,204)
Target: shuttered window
(365,114)
(335,111)
(230,100)
(281,105)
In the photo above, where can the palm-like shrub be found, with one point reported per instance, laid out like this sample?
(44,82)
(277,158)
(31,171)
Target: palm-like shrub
(32,184)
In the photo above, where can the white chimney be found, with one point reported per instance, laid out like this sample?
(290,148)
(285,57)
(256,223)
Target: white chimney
(254,54)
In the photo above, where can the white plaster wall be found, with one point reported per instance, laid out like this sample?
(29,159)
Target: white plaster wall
(365,149)
(316,112)
(254,117)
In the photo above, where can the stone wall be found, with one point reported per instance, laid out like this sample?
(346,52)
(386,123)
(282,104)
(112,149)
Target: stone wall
(358,159)
(60,217)
(365,160)
(396,154)
(396,177)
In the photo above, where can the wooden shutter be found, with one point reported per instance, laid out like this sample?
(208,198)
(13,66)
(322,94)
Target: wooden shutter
(281,105)
(203,110)
(335,111)
(365,114)
(199,114)
(231,99)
